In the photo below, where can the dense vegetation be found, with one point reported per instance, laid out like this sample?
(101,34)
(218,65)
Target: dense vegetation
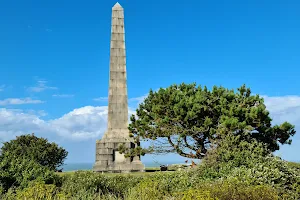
(35,149)
(187,118)
(29,158)
(239,164)
(235,169)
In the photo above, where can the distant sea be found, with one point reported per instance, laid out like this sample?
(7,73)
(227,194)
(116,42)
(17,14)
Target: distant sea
(89,166)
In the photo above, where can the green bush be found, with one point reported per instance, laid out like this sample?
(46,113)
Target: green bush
(294,165)
(42,191)
(98,183)
(163,185)
(195,194)
(235,169)
(33,148)
(230,189)
(207,190)
(19,172)
(251,163)
(149,189)
(119,185)
(37,190)
(273,172)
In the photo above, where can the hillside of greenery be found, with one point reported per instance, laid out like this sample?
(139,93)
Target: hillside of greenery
(235,169)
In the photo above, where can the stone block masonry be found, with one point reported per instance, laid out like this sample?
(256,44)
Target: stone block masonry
(108,159)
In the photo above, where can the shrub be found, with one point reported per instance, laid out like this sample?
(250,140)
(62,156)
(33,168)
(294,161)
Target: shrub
(230,189)
(149,189)
(33,148)
(118,185)
(251,163)
(88,181)
(20,172)
(273,172)
(233,170)
(295,165)
(195,194)
(97,183)
(163,185)
(37,190)
(41,191)
(207,190)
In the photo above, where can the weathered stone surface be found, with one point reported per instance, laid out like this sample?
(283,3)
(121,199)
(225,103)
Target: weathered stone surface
(108,159)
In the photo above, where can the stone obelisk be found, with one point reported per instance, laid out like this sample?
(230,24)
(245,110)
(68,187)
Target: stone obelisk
(108,159)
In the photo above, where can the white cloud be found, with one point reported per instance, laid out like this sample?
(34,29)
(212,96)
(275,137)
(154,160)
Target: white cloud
(41,86)
(285,108)
(101,99)
(63,95)
(17,122)
(80,124)
(279,104)
(19,101)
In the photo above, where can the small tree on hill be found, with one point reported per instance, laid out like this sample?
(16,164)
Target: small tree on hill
(19,172)
(186,119)
(36,149)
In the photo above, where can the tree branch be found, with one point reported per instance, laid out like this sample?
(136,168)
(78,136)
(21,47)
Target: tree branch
(179,151)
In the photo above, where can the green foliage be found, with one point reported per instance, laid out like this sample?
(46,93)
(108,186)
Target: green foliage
(161,185)
(42,191)
(132,152)
(149,190)
(195,194)
(169,185)
(88,181)
(97,183)
(232,151)
(294,165)
(35,149)
(205,190)
(234,169)
(19,172)
(250,163)
(187,119)
(230,189)
(37,190)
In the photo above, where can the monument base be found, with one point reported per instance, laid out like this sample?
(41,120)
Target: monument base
(108,158)
(119,167)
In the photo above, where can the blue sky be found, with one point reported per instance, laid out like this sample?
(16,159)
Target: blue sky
(54,58)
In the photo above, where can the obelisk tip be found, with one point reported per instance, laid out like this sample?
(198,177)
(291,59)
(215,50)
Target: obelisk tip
(117,5)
